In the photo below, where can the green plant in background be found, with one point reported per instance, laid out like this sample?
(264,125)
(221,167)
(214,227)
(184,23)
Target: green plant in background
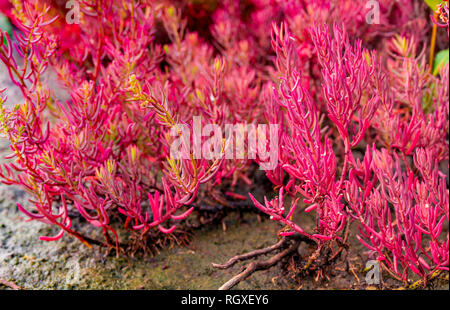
(440,9)
(440,61)
(433,4)
(5,25)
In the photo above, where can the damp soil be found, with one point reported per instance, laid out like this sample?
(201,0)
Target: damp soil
(30,263)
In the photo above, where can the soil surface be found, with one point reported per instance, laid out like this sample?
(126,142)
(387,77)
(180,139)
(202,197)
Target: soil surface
(29,263)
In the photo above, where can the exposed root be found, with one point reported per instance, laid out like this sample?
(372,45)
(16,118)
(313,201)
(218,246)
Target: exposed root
(321,259)
(287,245)
(255,266)
(250,255)
(152,242)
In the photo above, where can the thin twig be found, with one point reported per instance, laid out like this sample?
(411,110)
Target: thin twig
(250,255)
(433,43)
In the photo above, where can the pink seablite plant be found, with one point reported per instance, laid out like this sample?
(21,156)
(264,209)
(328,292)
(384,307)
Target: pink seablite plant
(393,103)
(363,122)
(401,215)
(105,152)
(308,157)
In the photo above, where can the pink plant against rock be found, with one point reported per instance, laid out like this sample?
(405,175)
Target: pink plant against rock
(102,152)
(307,153)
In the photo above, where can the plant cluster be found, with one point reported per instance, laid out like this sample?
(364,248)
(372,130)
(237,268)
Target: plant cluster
(362,116)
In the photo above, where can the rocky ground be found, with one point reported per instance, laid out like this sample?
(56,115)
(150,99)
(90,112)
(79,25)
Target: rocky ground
(67,264)
(33,264)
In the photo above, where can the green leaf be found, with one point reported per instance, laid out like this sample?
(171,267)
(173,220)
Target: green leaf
(440,61)
(5,25)
(433,4)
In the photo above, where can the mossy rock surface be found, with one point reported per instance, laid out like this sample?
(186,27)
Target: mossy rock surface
(67,264)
